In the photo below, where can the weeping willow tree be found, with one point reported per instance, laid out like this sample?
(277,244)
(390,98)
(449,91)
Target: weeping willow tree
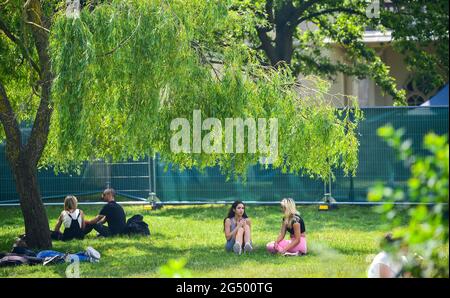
(107,82)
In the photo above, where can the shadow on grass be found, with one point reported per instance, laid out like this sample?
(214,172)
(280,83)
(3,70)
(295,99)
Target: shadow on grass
(360,218)
(142,256)
(266,219)
(199,259)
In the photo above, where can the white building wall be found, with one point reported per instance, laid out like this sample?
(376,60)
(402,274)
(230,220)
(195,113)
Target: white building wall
(366,90)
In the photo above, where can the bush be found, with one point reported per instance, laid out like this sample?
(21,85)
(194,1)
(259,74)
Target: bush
(425,232)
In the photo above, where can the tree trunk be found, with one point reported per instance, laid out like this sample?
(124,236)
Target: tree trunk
(24,158)
(35,216)
(25,174)
(284,44)
(282,20)
(351,195)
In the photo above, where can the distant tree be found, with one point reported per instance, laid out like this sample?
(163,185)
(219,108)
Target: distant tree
(420,33)
(298,32)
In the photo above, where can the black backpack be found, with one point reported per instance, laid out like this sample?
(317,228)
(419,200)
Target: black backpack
(23,251)
(74,231)
(137,226)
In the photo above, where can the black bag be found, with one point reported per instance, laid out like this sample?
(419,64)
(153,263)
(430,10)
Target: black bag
(137,225)
(13,261)
(23,251)
(74,231)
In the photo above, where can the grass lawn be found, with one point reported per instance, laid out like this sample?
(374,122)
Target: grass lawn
(340,243)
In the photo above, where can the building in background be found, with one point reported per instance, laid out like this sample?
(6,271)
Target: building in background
(366,90)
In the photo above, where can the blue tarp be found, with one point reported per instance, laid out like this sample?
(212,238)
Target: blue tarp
(440,99)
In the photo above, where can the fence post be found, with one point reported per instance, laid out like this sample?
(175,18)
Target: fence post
(327,196)
(152,198)
(108,174)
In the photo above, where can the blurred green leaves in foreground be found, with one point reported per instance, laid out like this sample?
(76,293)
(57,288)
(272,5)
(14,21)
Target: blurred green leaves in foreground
(175,269)
(425,230)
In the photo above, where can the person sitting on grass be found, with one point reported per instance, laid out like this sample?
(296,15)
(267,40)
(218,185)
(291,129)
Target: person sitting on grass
(112,213)
(386,264)
(72,219)
(237,228)
(292,223)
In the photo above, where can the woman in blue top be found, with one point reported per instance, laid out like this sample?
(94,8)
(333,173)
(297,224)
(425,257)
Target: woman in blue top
(237,228)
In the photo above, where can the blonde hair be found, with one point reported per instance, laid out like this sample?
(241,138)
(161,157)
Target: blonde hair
(70,203)
(289,210)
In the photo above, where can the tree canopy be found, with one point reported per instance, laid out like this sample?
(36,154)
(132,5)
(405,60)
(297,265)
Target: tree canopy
(300,33)
(125,69)
(421,35)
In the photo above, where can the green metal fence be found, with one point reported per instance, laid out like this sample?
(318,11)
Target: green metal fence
(136,179)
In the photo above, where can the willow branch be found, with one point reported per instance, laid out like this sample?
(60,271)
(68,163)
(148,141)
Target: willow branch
(38,26)
(20,44)
(123,42)
(4,3)
(329,11)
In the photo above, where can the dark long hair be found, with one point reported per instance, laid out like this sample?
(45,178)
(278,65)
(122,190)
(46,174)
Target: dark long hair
(231,212)
(389,241)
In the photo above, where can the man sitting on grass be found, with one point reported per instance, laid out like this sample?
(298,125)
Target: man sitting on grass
(112,213)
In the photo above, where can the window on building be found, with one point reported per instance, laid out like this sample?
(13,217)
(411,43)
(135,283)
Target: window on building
(415,100)
(415,95)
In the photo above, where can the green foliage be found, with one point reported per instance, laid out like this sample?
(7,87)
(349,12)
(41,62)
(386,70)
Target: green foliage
(322,25)
(126,69)
(426,231)
(15,71)
(420,33)
(175,269)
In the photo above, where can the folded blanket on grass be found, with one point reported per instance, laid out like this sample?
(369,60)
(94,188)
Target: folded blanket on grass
(10,259)
(48,257)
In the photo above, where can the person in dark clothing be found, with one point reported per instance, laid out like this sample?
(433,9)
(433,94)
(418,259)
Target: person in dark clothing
(112,214)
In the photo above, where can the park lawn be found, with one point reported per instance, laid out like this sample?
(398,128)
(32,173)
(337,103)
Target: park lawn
(341,243)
